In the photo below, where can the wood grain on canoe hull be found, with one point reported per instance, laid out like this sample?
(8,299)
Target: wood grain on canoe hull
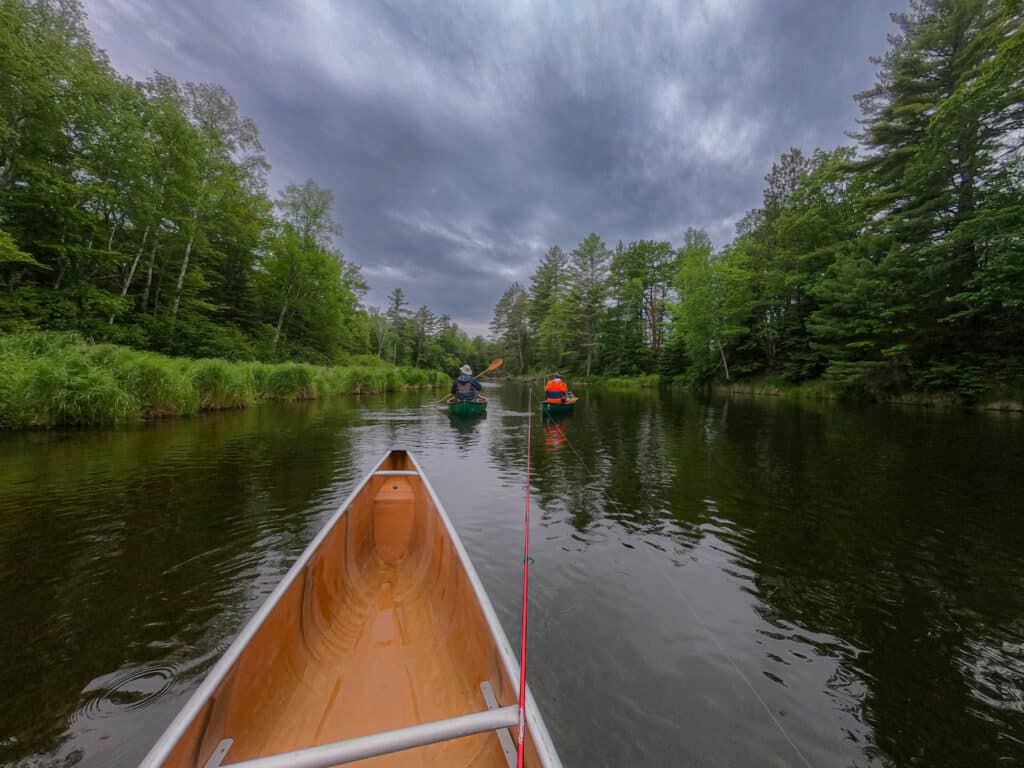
(382,624)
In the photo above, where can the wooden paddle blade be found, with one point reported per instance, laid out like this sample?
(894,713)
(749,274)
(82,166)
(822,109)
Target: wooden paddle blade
(492,367)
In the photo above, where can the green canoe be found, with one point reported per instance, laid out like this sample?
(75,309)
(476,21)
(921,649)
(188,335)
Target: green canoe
(467,407)
(557,409)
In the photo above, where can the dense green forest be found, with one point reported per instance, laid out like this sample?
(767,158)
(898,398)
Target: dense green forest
(139,213)
(895,263)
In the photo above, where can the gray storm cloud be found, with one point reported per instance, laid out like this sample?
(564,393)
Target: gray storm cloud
(461,139)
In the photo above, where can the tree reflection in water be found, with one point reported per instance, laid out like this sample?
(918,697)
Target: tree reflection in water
(860,566)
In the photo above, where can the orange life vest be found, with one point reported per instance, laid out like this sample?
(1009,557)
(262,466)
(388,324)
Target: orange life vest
(555,391)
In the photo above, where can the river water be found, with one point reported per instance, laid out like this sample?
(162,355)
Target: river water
(722,583)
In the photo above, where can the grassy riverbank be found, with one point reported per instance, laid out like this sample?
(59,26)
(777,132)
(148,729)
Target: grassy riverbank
(998,398)
(58,379)
(648,381)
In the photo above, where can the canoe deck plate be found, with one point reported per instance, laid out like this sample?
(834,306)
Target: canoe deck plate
(507,745)
(219,753)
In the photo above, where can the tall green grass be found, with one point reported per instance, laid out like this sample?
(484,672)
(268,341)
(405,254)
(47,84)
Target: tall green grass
(222,385)
(646,381)
(58,379)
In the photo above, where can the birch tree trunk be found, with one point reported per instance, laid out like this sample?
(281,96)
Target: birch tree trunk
(113,231)
(280,323)
(149,277)
(131,270)
(181,276)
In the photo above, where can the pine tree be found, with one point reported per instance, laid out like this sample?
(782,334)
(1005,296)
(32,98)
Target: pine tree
(510,329)
(397,315)
(549,284)
(920,184)
(589,289)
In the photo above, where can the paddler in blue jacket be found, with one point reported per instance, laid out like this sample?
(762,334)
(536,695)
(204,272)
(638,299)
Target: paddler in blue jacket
(465,385)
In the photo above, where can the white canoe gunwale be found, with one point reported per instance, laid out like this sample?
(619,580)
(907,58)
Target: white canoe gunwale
(204,696)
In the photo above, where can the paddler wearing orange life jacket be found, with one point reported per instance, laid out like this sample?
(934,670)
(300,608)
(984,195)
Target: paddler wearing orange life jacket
(556,390)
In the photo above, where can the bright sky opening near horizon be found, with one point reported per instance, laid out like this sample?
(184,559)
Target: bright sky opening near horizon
(463,139)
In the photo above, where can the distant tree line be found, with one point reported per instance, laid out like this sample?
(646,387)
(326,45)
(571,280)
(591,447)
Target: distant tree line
(897,262)
(139,213)
(422,339)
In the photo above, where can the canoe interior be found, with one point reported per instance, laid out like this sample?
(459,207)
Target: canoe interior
(467,407)
(380,629)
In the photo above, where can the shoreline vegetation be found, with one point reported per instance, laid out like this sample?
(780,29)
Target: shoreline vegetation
(50,379)
(1002,399)
(997,400)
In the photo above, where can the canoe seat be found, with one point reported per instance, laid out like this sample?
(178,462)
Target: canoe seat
(394,511)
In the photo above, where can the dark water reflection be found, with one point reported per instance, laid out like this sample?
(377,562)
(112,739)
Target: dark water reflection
(702,571)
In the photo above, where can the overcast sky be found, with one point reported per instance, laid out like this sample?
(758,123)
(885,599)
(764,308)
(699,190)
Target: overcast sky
(463,138)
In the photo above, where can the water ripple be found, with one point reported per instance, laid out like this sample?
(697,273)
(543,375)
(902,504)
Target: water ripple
(125,689)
